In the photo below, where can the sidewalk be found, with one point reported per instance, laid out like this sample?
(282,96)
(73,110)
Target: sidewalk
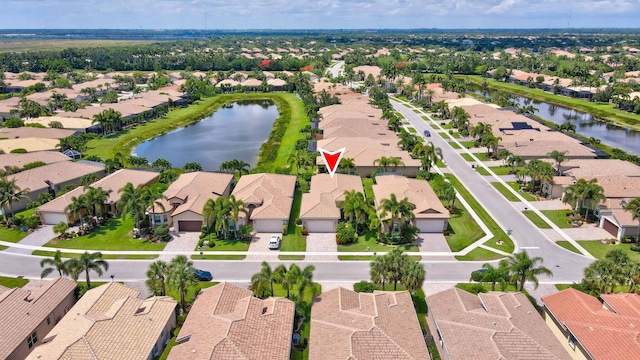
(38,237)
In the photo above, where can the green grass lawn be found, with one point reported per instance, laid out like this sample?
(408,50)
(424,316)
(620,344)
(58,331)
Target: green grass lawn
(225,245)
(479,254)
(367,183)
(475,287)
(294,240)
(114,235)
(15,234)
(482,156)
(599,250)
(509,195)
(558,217)
(498,170)
(298,121)
(10,282)
(367,242)
(567,245)
(448,125)
(221,256)
(104,256)
(455,134)
(464,230)
(412,129)
(467,144)
(425,118)
(454,145)
(192,291)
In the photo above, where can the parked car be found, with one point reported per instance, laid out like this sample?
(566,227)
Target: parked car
(274,242)
(203,275)
(427,133)
(478,275)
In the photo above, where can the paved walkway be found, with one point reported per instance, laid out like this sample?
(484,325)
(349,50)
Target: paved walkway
(430,289)
(260,243)
(180,241)
(433,242)
(554,204)
(38,237)
(542,291)
(588,232)
(321,242)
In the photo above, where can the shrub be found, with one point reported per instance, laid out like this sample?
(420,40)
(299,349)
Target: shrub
(14,123)
(31,222)
(18,151)
(298,221)
(162,232)
(284,229)
(635,247)
(345,233)
(364,287)
(33,165)
(304,231)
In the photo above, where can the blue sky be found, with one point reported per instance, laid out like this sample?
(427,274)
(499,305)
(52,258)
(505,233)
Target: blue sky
(318,14)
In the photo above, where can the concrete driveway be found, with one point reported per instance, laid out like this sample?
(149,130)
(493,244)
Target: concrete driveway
(321,242)
(38,237)
(181,241)
(433,242)
(260,243)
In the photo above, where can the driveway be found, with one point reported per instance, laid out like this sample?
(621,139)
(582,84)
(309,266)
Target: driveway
(433,242)
(260,243)
(319,243)
(38,237)
(181,241)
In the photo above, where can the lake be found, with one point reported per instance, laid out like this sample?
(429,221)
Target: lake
(235,131)
(586,124)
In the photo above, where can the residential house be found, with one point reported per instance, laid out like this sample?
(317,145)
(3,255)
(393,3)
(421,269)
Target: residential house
(489,326)
(228,322)
(28,313)
(358,326)
(430,215)
(72,123)
(29,144)
(592,329)
(51,178)
(320,211)
(186,198)
(55,211)
(268,197)
(20,160)
(111,322)
(27,132)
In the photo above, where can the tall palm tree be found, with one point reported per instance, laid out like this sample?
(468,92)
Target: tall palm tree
(354,206)
(299,159)
(132,201)
(11,193)
(287,278)
(382,162)
(154,197)
(77,208)
(395,162)
(157,277)
(305,280)
(347,164)
(559,157)
(514,161)
(495,275)
(603,275)
(263,280)
(523,268)
(413,276)
(217,214)
(181,276)
(85,263)
(401,211)
(634,207)
(237,207)
(54,264)
(592,195)
(428,154)
(378,272)
(95,197)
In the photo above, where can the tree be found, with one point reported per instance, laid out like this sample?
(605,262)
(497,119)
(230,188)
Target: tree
(305,280)
(634,208)
(413,276)
(161,164)
(192,167)
(11,193)
(108,120)
(287,278)
(396,267)
(354,206)
(95,198)
(181,276)
(378,271)
(299,159)
(54,264)
(592,194)
(514,161)
(401,211)
(382,162)
(217,214)
(60,228)
(263,280)
(88,262)
(428,154)
(88,179)
(154,197)
(157,277)
(495,275)
(132,201)
(559,157)
(602,275)
(347,164)
(523,268)
(77,208)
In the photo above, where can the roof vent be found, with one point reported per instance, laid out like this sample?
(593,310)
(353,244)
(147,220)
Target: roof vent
(140,310)
(264,310)
(494,323)
(631,326)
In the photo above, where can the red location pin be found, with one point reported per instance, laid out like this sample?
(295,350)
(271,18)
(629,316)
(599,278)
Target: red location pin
(331,159)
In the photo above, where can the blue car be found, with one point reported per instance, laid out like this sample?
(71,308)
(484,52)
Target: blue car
(203,275)
(427,133)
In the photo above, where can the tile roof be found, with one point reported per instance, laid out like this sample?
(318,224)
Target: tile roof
(22,310)
(108,322)
(418,192)
(365,150)
(30,144)
(589,168)
(325,193)
(606,332)
(32,132)
(272,193)
(76,123)
(57,173)
(111,183)
(350,325)
(616,186)
(228,322)
(490,326)
(20,160)
(192,190)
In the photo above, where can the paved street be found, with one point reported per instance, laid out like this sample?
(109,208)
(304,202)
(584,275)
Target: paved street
(336,69)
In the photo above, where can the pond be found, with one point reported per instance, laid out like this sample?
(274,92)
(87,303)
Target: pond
(586,124)
(235,131)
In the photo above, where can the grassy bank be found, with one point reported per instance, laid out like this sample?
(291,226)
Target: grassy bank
(603,111)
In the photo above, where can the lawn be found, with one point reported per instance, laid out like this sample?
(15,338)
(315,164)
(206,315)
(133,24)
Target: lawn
(367,183)
(464,230)
(567,245)
(509,195)
(104,256)
(498,170)
(479,254)
(558,217)
(482,156)
(298,121)
(367,242)
(225,245)
(10,282)
(454,145)
(604,111)
(294,240)
(599,250)
(467,144)
(507,245)
(15,234)
(192,291)
(114,235)
(412,129)
(536,220)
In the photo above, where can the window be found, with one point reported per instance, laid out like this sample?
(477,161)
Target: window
(32,340)
(156,219)
(572,341)
(154,352)
(48,321)
(164,218)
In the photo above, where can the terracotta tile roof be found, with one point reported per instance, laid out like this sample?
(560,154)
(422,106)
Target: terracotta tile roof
(325,193)
(271,193)
(192,190)
(21,310)
(365,150)
(606,332)
(589,168)
(350,325)
(494,325)
(227,322)
(32,132)
(21,160)
(624,218)
(111,183)
(57,173)
(109,322)
(616,186)
(76,123)
(419,193)
(29,144)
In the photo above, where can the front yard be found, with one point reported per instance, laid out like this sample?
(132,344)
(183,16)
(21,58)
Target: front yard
(294,240)
(558,217)
(367,242)
(509,195)
(464,230)
(599,250)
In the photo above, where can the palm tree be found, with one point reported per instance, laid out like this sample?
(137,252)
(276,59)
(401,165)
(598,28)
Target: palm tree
(603,275)
(155,197)
(382,162)
(347,164)
(413,276)
(378,272)
(523,268)
(395,162)
(132,201)
(60,228)
(287,278)
(299,159)
(11,193)
(96,198)
(401,211)
(161,164)
(85,263)
(592,195)
(263,280)
(495,275)
(237,207)
(353,206)
(514,161)
(428,154)
(634,208)
(77,208)
(54,264)
(217,213)
(157,277)
(305,280)
(181,275)
(559,157)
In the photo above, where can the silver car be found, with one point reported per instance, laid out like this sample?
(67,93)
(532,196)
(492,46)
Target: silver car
(274,242)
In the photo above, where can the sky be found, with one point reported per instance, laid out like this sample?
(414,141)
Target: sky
(317,14)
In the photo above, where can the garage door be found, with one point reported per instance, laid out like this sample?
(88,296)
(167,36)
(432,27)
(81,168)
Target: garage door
(320,226)
(430,226)
(267,226)
(53,218)
(189,225)
(610,227)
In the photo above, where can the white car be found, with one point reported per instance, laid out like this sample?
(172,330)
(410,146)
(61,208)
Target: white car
(274,242)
